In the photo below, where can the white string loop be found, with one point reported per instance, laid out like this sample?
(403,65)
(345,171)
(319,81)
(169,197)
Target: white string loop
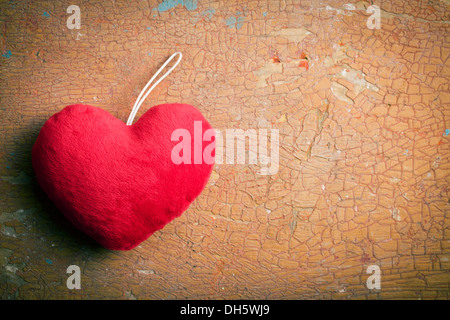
(143,96)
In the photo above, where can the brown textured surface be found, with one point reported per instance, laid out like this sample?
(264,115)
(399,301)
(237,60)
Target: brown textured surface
(364,155)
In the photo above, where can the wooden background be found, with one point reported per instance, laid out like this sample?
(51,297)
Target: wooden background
(364,124)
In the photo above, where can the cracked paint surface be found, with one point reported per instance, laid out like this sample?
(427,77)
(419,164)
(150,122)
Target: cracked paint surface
(364,148)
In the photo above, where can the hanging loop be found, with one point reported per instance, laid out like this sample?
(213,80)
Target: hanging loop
(143,95)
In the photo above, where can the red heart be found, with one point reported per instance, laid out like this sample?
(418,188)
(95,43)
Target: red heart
(118,183)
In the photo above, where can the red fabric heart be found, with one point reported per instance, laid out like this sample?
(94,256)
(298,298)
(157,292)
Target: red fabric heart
(118,183)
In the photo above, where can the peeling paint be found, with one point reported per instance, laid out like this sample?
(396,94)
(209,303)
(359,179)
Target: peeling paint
(340,92)
(396,214)
(235,21)
(9,274)
(338,55)
(19,215)
(205,15)
(208,13)
(282,119)
(347,7)
(213,177)
(170,4)
(266,71)
(8,231)
(292,34)
(357,78)
(7,54)
(129,295)
(147,272)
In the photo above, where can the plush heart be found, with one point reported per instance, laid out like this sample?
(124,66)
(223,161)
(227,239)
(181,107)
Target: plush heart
(118,183)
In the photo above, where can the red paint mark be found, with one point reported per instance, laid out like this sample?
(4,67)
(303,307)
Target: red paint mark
(304,64)
(365,258)
(276,59)
(303,61)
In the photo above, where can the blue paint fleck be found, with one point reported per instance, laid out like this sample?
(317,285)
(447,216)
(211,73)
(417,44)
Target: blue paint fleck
(190,4)
(234,22)
(148,28)
(12,153)
(49,261)
(265,13)
(46,14)
(149,53)
(230,22)
(208,14)
(7,55)
(125,30)
(170,4)
(8,167)
(447,132)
